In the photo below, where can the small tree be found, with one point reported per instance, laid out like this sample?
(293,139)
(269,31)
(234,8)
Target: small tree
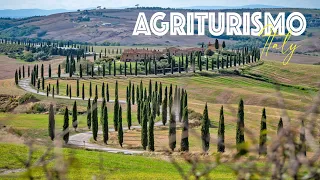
(263,134)
(216,44)
(120,130)
(172,132)
(51,123)
(223,44)
(49,71)
(90,90)
(240,128)
(280,126)
(144,126)
(59,71)
(221,146)
(66,126)
(16,78)
(105,128)
(165,107)
(75,116)
(78,88)
(107,92)
(129,119)
(83,93)
(151,133)
(116,108)
(208,52)
(89,114)
(185,127)
(205,134)
(94,111)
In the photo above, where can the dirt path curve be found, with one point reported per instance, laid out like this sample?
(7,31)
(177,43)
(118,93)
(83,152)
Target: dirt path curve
(25,85)
(82,140)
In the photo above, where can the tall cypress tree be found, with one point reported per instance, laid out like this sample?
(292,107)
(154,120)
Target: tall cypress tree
(172,132)
(129,119)
(116,108)
(51,127)
(90,90)
(151,133)
(107,93)
(75,116)
(57,86)
(16,78)
(102,90)
(70,95)
(165,107)
(83,93)
(78,88)
(205,134)
(221,146)
(94,111)
(96,92)
(66,126)
(80,69)
(105,128)
(103,104)
(59,71)
(144,126)
(263,134)
(132,95)
(89,114)
(240,128)
(49,71)
(185,122)
(120,130)
(280,126)
(42,71)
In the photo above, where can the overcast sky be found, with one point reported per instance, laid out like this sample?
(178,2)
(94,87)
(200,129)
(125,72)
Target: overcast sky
(82,4)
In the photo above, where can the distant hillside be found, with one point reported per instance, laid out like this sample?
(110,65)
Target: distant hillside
(252,6)
(22,13)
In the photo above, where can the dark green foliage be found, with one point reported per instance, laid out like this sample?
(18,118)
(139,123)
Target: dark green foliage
(103,104)
(90,90)
(107,93)
(83,93)
(57,86)
(165,107)
(132,95)
(75,116)
(151,133)
(80,71)
(120,129)
(144,127)
(240,128)
(185,126)
(78,88)
(67,90)
(52,91)
(42,71)
(205,134)
(66,126)
(70,92)
(129,119)
(102,90)
(221,146)
(51,127)
(116,108)
(42,84)
(49,71)
(96,92)
(216,44)
(263,134)
(105,128)
(89,114)
(94,111)
(172,132)
(280,126)
(16,78)
(223,44)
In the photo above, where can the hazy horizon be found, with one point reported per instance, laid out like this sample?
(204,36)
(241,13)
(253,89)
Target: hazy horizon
(73,4)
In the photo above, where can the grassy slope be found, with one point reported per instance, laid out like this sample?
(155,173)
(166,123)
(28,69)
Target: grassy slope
(115,166)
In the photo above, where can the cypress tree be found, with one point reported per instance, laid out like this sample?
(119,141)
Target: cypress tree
(120,130)
(49,70)
(80,69)
(114,67)
(105,128)
(16,78)
(92,70)
(129,119)
(38,85)
(136,68)
(280,126)
(42,81)
(29,71)
(96,92)
(75,116)
(151,133)
(104,70)
(240,128)
(89,114)
(263,134)
(23,73)
(107,93)
(172,132)
(144,130)
(103,104)
(70,95)
(116,108)
(67,90)
(47,91)
(52,90)
(221,146)
(42,71)
(205,134)
(94,111)
(102,91)
(51,127)
(160,94)
(130,69)
(66,126)
(185,127)
(90,90)
(132,95)
(78,88)
(165,107)
(57,86)
(83,95)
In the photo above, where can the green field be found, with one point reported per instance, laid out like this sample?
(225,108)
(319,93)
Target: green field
(113,166)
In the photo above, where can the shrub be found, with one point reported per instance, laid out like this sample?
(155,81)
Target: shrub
(26,97)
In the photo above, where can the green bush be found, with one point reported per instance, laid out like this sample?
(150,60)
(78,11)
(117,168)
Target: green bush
(26,97)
